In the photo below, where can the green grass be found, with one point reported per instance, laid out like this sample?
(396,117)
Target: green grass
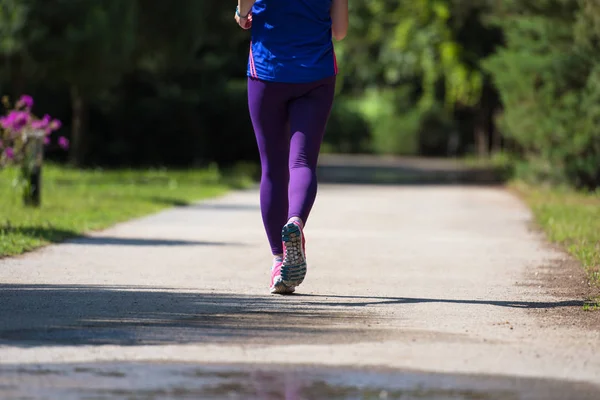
(592,305)
(571,219)
(75,201)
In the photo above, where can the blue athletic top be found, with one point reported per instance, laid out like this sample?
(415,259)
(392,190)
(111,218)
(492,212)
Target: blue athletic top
(291,41)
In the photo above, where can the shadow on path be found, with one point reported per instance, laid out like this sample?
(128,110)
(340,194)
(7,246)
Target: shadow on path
(57,235)
(224,207)
(116,241)
(174,202)
(410,300)
(35,315)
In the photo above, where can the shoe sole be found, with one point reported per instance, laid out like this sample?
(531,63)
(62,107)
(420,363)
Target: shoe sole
(282,288)
(293,270)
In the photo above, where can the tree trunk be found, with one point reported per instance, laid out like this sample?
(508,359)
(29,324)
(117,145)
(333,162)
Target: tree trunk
(78,136)
(496,134)
(487,140)
(17,77)
(481,136)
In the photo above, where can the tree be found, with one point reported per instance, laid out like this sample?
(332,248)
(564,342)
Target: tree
(13,17)
(548,79)
(428,53)
(86,45)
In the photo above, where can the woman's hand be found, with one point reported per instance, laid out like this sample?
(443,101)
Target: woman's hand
(245,23)
(339,19)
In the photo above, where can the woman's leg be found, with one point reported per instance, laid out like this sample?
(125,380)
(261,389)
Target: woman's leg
(308,117)
(268,110)
(308,113)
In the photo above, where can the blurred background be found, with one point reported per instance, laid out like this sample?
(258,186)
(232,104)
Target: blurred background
(147,83)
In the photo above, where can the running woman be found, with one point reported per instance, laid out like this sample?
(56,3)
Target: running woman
(291,84)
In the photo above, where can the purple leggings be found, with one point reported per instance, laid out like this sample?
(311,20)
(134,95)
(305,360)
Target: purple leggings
(289,122)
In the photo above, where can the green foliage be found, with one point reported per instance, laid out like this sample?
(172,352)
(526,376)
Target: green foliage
(145,82)
(397,132)
(13,17)
(547,76)
(396,42)
(392,132)
(426,52)
(148,83)
(436,130)
(94,41)
(348,131)
(429,45)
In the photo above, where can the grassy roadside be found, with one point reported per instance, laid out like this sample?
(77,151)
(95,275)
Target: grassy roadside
(74,201)
(568,217)
(571,219)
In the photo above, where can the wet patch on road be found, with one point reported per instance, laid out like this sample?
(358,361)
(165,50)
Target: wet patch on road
(150,381)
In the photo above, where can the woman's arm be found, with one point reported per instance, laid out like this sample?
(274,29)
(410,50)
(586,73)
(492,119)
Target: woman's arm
(339,18)
(242,14)
(245,6)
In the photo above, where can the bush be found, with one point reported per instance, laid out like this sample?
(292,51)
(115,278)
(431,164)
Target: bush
(436,127)
(392,132)
(549,82)
(386,122)
(347,131)
(397,134)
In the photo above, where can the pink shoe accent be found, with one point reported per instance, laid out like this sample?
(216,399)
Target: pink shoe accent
(276,272)
(277,286)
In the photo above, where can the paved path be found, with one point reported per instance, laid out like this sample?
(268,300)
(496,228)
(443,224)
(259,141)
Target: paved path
(436,279)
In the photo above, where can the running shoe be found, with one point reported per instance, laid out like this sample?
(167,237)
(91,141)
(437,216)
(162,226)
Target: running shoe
(277,284)
(293,268)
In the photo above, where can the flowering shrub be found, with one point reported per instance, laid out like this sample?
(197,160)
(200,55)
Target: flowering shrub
(20,127)
(23,137)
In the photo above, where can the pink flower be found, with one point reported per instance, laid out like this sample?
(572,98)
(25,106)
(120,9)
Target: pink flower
(21,120)
(5,122)
(55,125)
(25,101)
(10,153)
(63,142)
(42,123)
(15,121)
